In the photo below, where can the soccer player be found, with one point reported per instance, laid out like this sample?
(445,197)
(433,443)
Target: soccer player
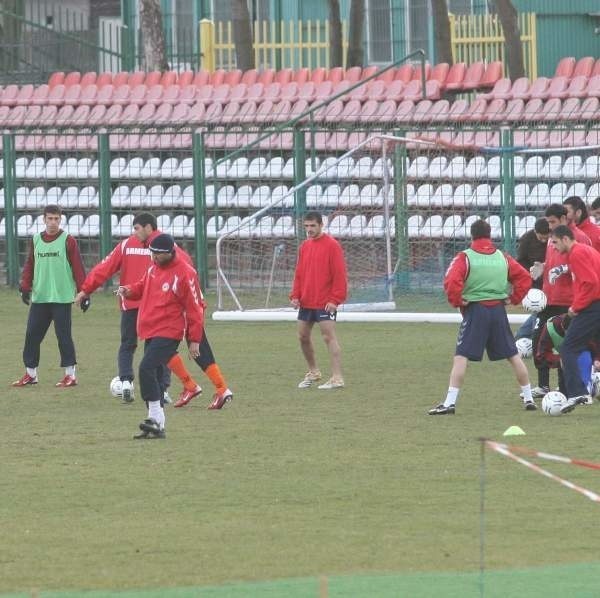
(532,249)
(584,310)
(131,258)
(577,215)
(594,210)
(558,289)
(477,282)
(51,276)
(547,352)
(170,307)
(320,285)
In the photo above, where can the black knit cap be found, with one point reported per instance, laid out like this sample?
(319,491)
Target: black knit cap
(162,243)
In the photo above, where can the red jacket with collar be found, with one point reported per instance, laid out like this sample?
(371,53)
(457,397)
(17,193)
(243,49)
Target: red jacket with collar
(170,302)
(561,292)
(131,258)
(584,266)
(320,276)
(456,275)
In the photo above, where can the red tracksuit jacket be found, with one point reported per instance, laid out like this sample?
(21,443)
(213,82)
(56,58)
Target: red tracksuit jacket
(320,276)
(170,302)
(131,258)
(584,266)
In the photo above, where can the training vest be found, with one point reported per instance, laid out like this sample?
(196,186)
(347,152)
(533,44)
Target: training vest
(487,278)
(52,275)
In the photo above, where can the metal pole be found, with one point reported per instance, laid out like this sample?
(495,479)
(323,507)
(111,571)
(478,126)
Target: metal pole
(199,174)
(104,193)
(10,191)
(299,176)
(507,210)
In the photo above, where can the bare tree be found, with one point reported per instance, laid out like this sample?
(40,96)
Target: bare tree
(441,21)
(509,17)
(153,36)
(355,33)
(336,51)
(242,35)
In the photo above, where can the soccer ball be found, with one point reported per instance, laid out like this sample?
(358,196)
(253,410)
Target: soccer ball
(116,387)
(553,402)
(534,301)
(595,390)
(524,347)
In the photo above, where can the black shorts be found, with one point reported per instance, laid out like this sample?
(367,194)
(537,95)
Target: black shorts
(485,328)
(316,315)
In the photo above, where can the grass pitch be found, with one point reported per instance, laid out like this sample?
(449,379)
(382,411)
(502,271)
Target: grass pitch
(357,492)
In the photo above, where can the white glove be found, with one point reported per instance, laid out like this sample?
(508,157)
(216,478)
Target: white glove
(536,270)
(121,292)
(557,271)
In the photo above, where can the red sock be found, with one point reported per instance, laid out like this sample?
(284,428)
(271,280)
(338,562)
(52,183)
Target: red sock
(177,366)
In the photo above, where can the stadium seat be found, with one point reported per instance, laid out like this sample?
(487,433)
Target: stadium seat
(492,74)
(502,90)
(538,88)
(591,168)
(593,193)
(124,227)
(414,225)
(56,79)
(455,77)
(496,226)
(452,225)
(404,73)
(72,78)
(350,196)
(432,228)
(584,67)
(178,226)
(565,67)
(538,197)
(473,76)
(443,196)
(439,72)
(171,197)
(91,226)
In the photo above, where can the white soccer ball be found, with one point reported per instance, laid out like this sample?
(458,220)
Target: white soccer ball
(553,402)
(116,387)
(534,301)
(524,347)
(595,390)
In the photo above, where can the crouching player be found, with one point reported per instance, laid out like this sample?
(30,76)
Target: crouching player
(546,353)
(170,308)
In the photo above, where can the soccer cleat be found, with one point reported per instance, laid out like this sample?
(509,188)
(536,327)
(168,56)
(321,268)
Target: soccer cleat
(66,382)
(167,400)
(149,430)
(589,400)
(127,391)
(187,395)
(26,380)
(219,399)
(538,392)
(331,384)
(573,402)
(529,406)
(441,409)
(309,379)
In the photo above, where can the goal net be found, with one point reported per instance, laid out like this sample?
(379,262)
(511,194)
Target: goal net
(401,207)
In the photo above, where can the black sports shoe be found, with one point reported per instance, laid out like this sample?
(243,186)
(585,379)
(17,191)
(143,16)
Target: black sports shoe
(150,430)
(441,409)
(530,406)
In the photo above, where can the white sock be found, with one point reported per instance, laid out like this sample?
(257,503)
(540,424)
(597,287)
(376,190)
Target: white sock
(451,396)
(70,370)
(526,390)
(157,413)
(32,372)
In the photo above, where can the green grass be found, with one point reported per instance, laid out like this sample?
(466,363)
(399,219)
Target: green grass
(286,487)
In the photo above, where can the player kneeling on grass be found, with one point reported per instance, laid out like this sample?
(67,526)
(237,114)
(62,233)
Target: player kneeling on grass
(170,306)
(477,282)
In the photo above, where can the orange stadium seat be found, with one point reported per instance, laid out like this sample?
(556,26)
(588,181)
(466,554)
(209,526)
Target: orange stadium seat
(104,79)
(170,94)
(168,78)
(185,78)
(301,75)
(318,75)
(417,72)
(394,91)
(577,87)
(455,77)
(539,88)
(368,71)
(492,74)
(501,90)
(404,73)
(439,72)
(473,76)
(88,95)
(72,78)
(593,86)
(584,67)
(495,110)
(272,91)
(201,78)
(120,78)
(521,89)
(56,78)
(204,94)
(284,76)
(24,95)
(187,95)
(596,68)
(88,78)
(221,93)
(151,78)
(565,67)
